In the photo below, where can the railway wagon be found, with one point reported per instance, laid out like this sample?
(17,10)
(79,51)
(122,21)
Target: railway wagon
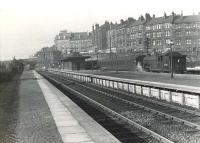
(117,61)
(162,62)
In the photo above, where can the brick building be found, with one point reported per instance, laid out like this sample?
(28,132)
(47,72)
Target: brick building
(81,42)
(159,32)
(152,34)
(62,41)
(49,57)
(186,36)
(100,36)
(73,42)
(136,37)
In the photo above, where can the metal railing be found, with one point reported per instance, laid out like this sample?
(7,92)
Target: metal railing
(168,92)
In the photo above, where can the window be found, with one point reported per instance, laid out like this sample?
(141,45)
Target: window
(167,33)
(133,36)
(158,26)
(188,41)
(140,35)
(154,34)
(167,25)
(128,30)
(167,41)
(159,42)
(153,42)
(148,28)
(159,34)
(154,27)
(178,42)
(148,35)
(188,33)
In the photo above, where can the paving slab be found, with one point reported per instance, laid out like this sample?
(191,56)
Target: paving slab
(74,125)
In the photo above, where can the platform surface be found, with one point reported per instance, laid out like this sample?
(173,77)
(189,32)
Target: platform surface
(24,113)
(186,82)
(32,110)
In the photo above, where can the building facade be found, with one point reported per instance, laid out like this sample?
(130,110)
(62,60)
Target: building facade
(62,41)
(100,36)
(81,42)
(49,57)
(136,35)
(73,42)
(153,34)
(159,33)
(186,31)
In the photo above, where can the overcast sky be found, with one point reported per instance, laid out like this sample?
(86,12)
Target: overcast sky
(28,25)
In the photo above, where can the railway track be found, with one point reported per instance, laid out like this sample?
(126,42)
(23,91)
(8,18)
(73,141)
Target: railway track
(129,105)
(109,121)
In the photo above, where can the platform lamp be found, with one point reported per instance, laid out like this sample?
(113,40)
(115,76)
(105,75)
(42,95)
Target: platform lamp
(171,43)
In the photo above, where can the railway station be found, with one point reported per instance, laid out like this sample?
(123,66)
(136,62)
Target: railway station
(71,72)
(64,106)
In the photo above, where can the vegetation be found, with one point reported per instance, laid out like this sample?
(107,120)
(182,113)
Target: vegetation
(8,72)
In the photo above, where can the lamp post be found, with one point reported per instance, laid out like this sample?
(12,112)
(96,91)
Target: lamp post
(110,47)
(171,58)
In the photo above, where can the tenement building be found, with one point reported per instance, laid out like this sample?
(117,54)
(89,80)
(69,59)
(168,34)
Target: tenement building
(62,41)
(49,57)
(135,38)
(153,34)
(100,36)
(81,42)
(159,32)
(68,43)
(186,32)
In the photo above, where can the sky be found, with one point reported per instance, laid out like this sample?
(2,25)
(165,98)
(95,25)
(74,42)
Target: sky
(28,25)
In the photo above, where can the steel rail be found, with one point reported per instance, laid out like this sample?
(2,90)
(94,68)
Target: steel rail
(150,100)
(185,122)
(182,121)
(113,113)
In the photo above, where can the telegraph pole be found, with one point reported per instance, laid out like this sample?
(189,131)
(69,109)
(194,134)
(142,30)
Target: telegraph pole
(171,59)
(110,48)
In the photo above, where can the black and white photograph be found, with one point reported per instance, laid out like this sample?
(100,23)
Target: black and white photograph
(99,71)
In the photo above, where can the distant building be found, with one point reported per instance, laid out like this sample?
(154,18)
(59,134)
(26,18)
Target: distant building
(152,34)
(49,57)
(62,41)
(159,32)
(136,37)
(99,36)
(81,42)
(121,35)
(74,61)
(186,36)
(73,42)
(187,33)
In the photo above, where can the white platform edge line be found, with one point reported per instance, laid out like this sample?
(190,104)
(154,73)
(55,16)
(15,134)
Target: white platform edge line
(49,97)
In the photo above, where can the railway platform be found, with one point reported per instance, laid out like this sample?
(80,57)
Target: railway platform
(179,79)
(33,110)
